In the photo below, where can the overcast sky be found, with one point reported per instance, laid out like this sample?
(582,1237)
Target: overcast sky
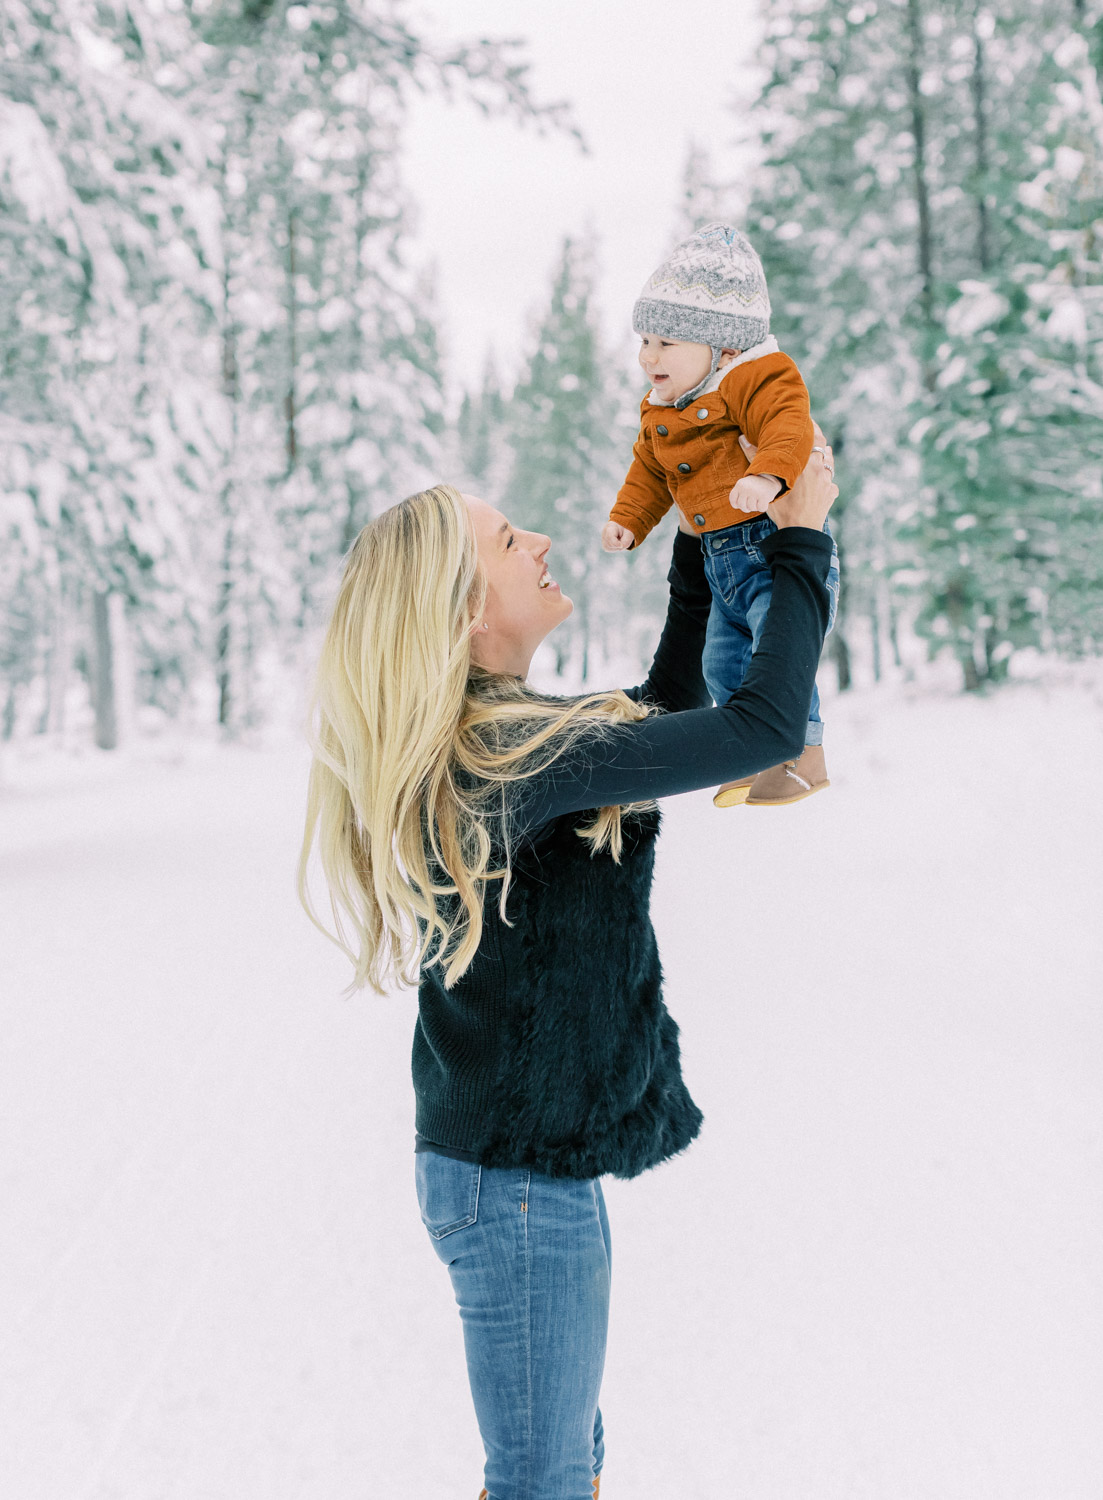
(495,200)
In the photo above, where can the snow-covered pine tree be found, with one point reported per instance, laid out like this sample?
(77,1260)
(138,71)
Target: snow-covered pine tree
(1067,201)
(906,281)
(703,199)
(483,452)
(571,445)
(217,359)
(832,213)
(1011,437)
(103,251)
(338,382)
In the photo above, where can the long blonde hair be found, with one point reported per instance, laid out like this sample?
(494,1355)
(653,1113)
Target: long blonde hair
(415,747)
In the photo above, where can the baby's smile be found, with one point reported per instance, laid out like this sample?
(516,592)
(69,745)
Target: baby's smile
(672,365)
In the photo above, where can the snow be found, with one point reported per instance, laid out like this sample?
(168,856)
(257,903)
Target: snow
(1068,322)
(875,1275)
(29,164)
(976,308)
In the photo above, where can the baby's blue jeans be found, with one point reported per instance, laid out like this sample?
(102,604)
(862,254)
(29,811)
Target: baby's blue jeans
(740,580)
(529,1257)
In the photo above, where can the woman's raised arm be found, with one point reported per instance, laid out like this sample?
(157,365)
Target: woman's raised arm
(760,725)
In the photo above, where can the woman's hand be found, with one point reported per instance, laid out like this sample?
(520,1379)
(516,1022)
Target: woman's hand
(814,493)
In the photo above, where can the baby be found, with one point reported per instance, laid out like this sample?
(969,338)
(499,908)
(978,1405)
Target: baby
(720,386)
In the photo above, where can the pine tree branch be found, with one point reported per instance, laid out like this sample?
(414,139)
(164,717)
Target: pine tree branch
(486,71)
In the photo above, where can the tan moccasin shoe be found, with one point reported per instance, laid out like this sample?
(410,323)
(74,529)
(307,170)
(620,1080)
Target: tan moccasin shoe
(792,781)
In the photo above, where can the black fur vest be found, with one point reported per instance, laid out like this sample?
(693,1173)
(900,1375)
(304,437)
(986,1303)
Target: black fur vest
(555,1050)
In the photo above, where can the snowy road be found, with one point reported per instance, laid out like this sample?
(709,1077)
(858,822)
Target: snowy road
(876,1276)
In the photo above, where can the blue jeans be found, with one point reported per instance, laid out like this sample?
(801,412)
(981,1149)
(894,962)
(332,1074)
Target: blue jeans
(529,1257)
(740,580)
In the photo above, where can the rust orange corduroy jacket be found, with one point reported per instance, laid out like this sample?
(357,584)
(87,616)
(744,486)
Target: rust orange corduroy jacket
(692,457)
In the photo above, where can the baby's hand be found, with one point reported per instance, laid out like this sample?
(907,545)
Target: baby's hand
(616,538)
(755,491)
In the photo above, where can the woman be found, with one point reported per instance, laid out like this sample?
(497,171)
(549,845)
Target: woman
(495,845)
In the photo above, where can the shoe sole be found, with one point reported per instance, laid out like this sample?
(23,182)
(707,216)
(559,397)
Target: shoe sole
(735,796)
(785,801)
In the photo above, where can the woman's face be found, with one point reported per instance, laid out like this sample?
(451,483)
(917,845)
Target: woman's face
(523,601)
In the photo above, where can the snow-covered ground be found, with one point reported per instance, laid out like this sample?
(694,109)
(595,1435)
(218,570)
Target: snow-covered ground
(876,1276)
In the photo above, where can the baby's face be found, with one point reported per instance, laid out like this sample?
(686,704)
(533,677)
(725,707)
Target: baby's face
(673,367)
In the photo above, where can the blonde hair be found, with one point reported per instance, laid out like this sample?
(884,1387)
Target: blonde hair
(415,747)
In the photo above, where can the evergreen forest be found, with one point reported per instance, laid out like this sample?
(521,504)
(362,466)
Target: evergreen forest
(206,256)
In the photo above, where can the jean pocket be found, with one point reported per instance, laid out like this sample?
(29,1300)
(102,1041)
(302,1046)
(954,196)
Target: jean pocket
(757,532)
(717,572)
(447,1192)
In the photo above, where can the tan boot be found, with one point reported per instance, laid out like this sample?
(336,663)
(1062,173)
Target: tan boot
(733,793)
(792,781)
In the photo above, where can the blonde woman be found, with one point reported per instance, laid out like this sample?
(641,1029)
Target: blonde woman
(495,846)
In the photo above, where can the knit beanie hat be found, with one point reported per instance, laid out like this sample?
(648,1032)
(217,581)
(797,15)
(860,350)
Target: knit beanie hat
(711,290)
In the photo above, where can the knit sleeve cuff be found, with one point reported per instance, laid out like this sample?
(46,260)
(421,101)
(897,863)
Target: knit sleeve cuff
(799,544)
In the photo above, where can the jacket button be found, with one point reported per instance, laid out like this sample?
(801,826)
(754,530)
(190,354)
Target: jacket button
(683,468)
(703,413)
(661,430)
(698,520)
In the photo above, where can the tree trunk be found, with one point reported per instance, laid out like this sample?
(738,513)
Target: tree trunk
(840,655)
(103,673)
(955,613)
(292,344)
(894,635)
(231,391)
(914,72)
(995,671)
(52,719)
(978,87)
(223,610)
(875,634)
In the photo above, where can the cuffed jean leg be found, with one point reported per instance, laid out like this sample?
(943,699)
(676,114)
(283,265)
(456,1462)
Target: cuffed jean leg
(531,1273)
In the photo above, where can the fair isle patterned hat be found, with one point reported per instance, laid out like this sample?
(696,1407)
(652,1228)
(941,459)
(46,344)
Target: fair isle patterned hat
(711,290)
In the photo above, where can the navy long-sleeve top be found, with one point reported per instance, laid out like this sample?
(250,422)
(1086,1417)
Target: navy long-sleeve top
(554,1050)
